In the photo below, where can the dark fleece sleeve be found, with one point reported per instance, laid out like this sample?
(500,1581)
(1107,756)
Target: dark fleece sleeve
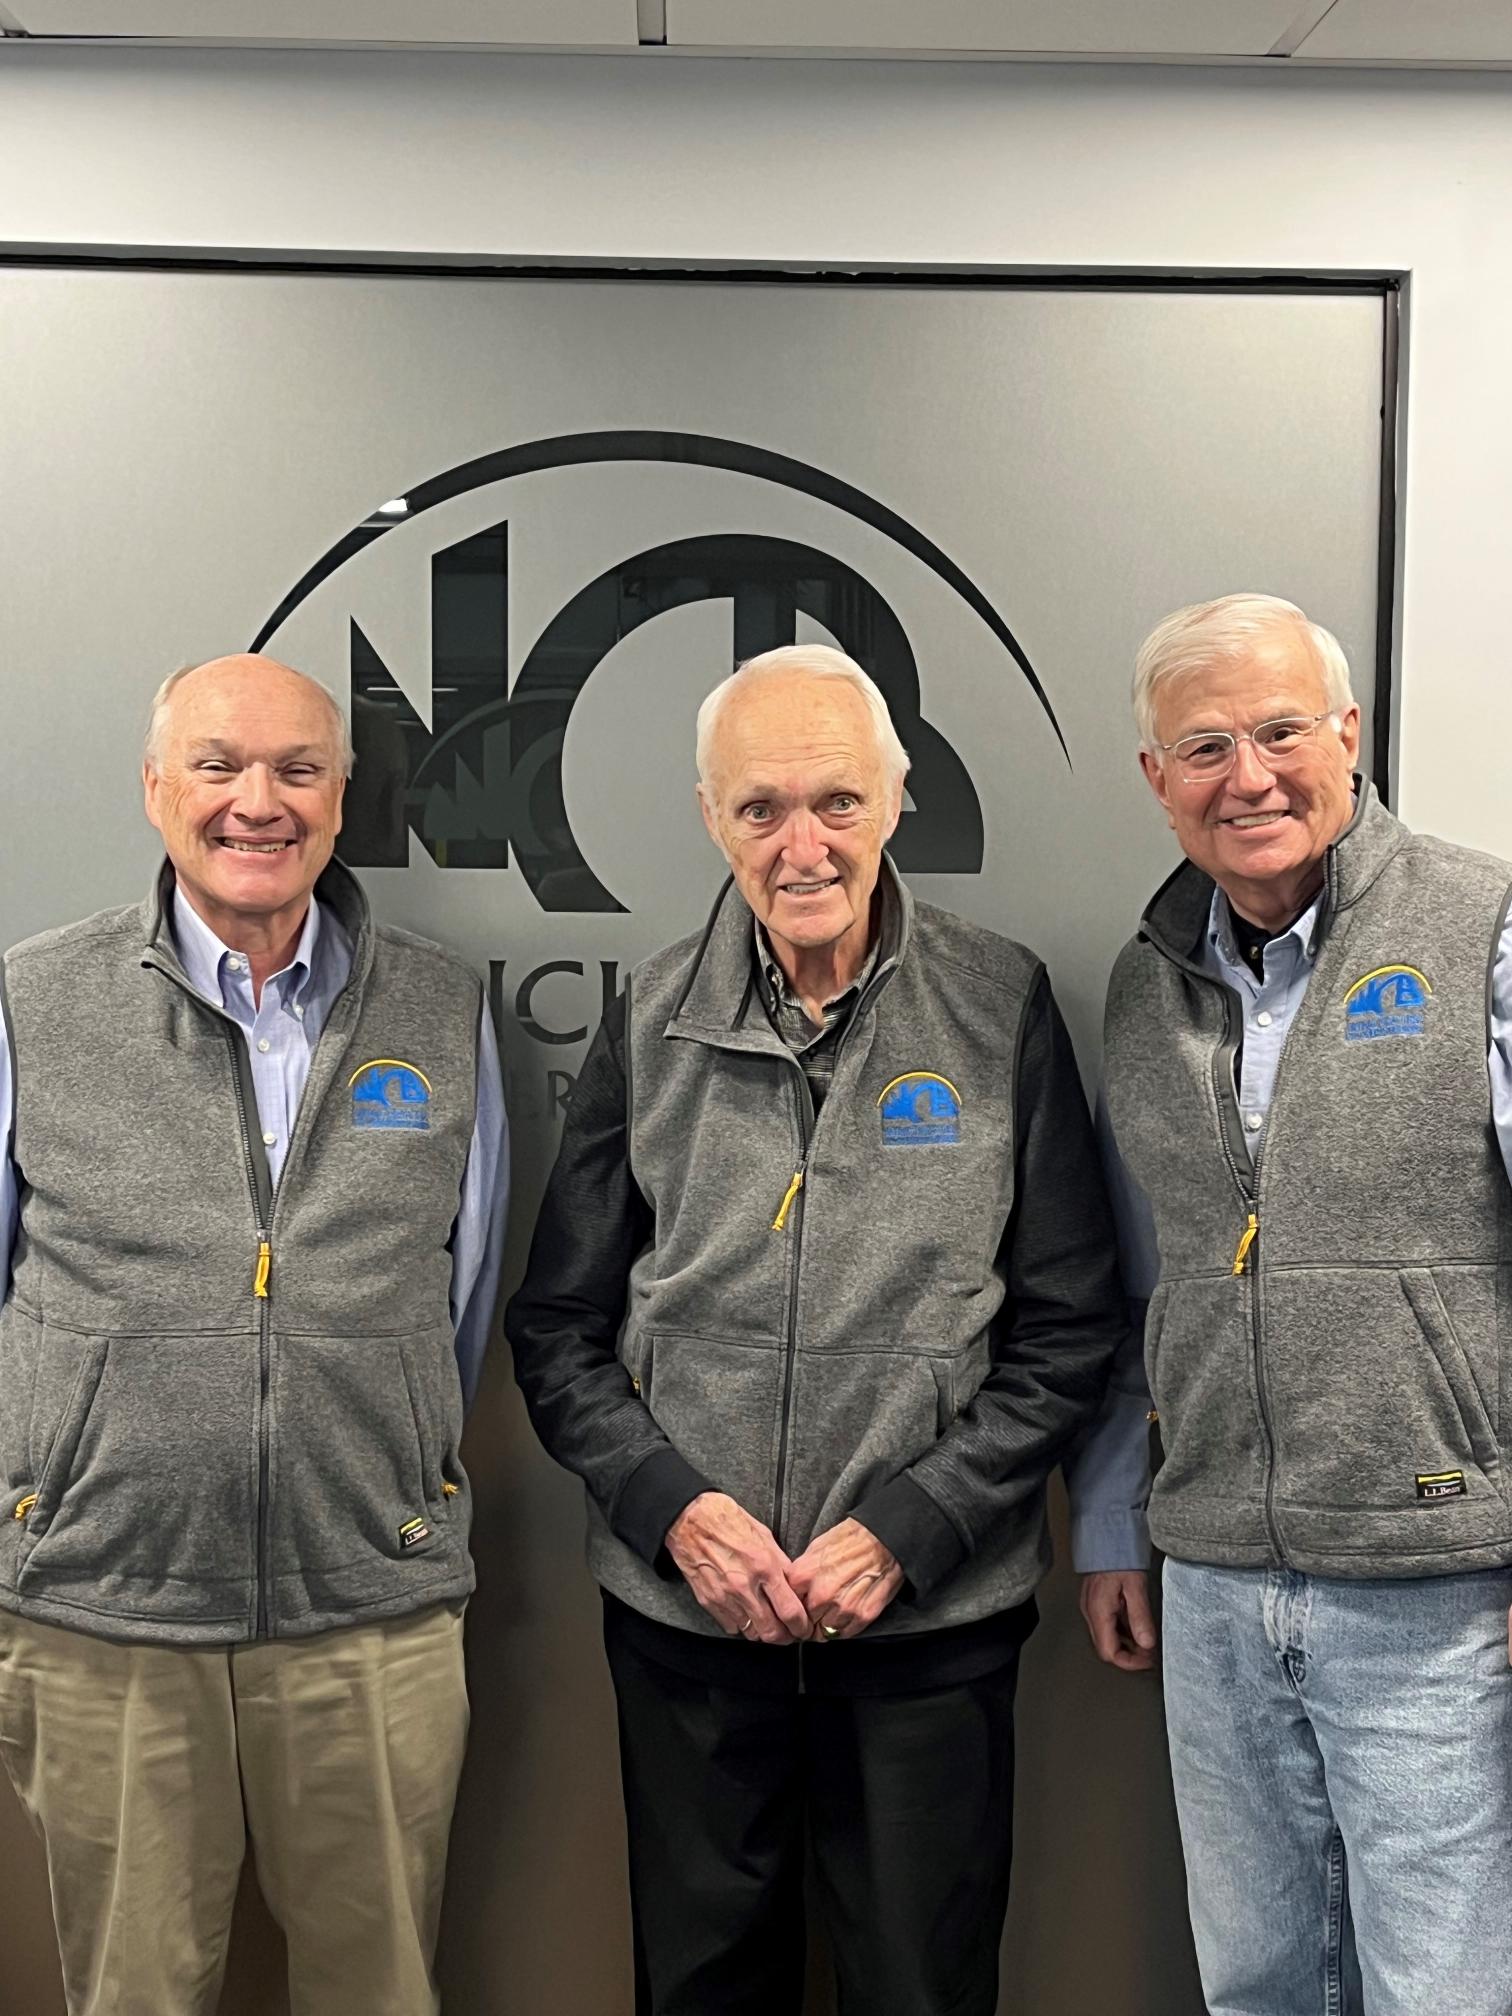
(563,1322)
(1054,1338)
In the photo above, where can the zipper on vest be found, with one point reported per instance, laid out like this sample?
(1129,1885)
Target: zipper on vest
(262,1206)
(24,1505)
(1262,1391)
(792,1204)
(1251,1232)
(789,1194)
(1246,1261)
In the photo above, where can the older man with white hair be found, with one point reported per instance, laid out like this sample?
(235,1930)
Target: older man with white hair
(252,1182)
(821,1286)
(1309,1080)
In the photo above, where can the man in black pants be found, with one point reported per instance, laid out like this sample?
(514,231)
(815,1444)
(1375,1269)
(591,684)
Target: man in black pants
(822,1284)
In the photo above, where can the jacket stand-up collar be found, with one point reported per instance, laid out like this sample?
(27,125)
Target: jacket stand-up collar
(337,889)
(715,1004)
(1177,918)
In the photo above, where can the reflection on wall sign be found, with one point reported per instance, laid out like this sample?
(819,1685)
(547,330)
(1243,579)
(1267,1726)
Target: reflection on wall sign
(559,1083)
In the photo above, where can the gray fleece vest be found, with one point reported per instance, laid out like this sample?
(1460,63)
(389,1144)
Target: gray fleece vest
(1334,1396)
(201,1441)
(805,1367)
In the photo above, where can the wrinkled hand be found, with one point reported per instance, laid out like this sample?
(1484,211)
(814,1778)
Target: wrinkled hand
(846,1579)
(1119,1618)
(736,1570)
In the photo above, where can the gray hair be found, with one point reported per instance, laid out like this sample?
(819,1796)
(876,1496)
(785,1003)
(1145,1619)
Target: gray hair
(1220,633)
(157,717)
(821,661)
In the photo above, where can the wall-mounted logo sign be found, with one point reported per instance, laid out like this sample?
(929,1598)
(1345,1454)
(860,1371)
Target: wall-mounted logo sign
(481,785)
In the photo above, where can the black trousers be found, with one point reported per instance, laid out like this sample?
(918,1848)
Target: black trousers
(905,1798)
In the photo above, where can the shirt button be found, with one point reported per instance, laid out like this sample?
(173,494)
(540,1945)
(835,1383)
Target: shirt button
(1263,1019)
(299,1011)
(271,1138)
(1254,1122)
(262,1043)
(234,963)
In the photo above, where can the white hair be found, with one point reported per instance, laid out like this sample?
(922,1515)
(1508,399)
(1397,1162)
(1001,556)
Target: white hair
(157,717)
(820,661)
(1221,633)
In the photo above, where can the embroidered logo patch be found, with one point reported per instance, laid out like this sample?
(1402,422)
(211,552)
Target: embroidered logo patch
(387,1092)
(412,1532)
(920,1110)
(1392,1001)
(1442,1484)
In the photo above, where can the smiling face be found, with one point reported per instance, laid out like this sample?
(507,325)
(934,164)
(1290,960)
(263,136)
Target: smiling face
(1261,834)
(799,802)
(245,788)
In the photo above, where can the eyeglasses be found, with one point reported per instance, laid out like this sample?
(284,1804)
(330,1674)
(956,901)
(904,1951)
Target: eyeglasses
(1203,758)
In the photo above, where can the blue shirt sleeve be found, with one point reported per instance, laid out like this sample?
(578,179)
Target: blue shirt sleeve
(1499,1055)
(478,1235)
(8,1197)
(1107,1468)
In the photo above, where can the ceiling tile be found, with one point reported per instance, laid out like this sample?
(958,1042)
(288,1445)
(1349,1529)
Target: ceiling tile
(1414,31)
(560,23)
(1080,27)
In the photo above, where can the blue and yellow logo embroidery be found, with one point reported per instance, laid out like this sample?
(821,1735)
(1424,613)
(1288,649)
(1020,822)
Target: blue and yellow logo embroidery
(1391,1001)
(920,1110)
(387,1092)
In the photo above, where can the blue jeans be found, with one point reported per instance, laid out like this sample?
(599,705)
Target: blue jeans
(1342,1758)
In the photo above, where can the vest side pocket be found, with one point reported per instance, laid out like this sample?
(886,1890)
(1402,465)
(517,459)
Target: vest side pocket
(1427,1303)
(66,1433)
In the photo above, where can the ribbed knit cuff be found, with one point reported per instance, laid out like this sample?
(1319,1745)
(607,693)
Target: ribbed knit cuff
(653,1495)
(915,1532)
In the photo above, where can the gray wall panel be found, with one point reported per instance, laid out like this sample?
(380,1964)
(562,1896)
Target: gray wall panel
(178,449)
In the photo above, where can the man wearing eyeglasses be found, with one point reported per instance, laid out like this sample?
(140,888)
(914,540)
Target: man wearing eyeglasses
(1309,1084)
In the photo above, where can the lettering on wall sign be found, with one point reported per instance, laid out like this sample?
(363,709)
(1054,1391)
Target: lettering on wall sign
(479,784)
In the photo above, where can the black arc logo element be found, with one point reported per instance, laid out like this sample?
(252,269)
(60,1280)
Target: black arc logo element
(485,781)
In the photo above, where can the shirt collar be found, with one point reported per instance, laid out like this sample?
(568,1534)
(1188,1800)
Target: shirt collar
(202,954)
(780,988)
(1220,929)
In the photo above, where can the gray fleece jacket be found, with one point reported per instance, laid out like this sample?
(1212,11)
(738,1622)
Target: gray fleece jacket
(1330,1342)
(909,1334)
(228,1412)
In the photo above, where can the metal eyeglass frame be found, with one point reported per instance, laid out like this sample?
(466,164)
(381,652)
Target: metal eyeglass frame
(1225,735)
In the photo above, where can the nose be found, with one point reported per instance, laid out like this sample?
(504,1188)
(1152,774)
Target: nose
(804,844)
(1249,776)
(257,795)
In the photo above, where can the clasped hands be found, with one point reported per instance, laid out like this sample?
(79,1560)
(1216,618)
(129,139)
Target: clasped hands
(840,1583)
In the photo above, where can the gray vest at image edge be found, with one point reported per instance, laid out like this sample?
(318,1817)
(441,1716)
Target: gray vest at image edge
(205,1465)
(1339,1406)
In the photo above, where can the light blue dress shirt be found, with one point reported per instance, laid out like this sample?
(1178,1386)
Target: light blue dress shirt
(1108,1471)
(281,1032)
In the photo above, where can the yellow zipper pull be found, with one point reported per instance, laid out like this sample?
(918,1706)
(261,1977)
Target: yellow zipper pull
(1251,1232)
(25,1506)
(264,1263)
(787,1202)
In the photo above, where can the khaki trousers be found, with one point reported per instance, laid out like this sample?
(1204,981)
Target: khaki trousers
(147,1768)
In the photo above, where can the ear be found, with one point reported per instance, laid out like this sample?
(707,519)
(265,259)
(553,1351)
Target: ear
(890,823)
(341,784)
(710,813)
(1349,734)
(151,788)
(1155,777)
